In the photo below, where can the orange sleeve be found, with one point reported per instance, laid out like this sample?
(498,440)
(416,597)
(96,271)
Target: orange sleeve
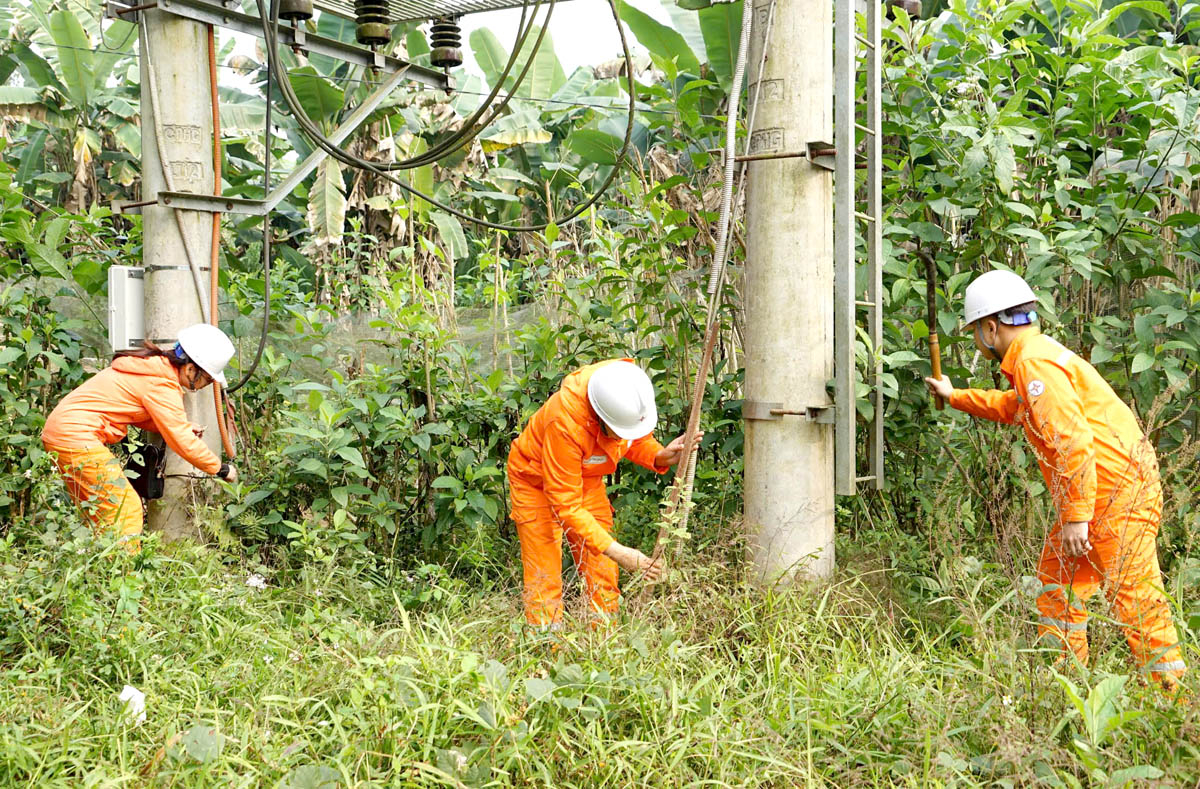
(562,482)
(644,450)
(165,406)
(990,404)
(1056,417)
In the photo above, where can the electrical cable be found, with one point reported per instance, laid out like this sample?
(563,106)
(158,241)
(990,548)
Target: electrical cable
(270,25)
(467,131)
(471,127)
(266,253)
(214,292)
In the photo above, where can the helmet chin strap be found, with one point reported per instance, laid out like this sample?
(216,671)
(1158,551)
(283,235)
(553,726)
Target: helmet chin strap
(983,342)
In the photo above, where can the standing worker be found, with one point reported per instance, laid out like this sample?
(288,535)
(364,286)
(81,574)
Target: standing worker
(556,468)
(1100,470)
(143,388)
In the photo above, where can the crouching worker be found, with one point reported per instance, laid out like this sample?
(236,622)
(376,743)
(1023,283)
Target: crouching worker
(1099,468)
(602,413)
(143,388)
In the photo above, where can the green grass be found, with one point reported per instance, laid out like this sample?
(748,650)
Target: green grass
(325,677)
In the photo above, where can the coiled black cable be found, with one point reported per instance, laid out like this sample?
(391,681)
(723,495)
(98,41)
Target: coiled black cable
(270,21)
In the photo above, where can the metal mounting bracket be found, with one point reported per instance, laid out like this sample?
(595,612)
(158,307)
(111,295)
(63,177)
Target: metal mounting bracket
(191,201)
(758,410)
(225,13)
(217,204)
(821,154)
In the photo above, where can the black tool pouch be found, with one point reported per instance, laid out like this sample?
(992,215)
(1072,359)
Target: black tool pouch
(145,470)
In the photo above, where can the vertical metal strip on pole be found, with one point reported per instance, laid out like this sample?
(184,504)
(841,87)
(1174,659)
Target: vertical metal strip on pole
(843,248)
(874,121)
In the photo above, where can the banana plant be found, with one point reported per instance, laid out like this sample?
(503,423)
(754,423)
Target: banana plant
(71,85)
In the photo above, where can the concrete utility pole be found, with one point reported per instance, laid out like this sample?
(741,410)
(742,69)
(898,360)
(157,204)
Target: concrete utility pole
(789,458)
(175,103)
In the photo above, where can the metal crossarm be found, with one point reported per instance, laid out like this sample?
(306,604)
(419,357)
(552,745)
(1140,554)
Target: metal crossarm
(848,220)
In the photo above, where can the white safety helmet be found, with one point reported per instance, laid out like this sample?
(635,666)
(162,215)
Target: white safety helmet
(993,292)
(208,347)
(623,397)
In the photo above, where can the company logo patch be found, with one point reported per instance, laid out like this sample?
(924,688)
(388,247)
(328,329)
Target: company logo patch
(1035,388)
(595,460)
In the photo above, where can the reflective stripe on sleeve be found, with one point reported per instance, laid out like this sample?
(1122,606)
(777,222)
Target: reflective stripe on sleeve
(1064,357)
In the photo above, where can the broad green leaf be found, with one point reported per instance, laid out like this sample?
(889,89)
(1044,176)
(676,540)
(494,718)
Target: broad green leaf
(507,174)
(327,204)
(722,28)
(1142,362)
(320,98)
(420,178)
(130,137)
(1134,775)
(18,94)
(337,28)
(490,54)
(1101,707)
(352,454)
(575,87)
(454,242)
(47,261)
(688,25)
(545,75)
(416,44)
(1004,163)
(1108,17)
(36,70)
(203,743)
(312,776)
(660,39)
(119,39)
(537,688)
(516,129)
(595,146)
(75,57)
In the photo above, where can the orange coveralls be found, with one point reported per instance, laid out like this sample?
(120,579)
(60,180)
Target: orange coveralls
(1098,468)
(134,391)
(556,471)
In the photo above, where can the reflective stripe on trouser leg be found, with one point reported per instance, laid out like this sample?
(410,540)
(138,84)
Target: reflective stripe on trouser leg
(1133,581)
(96,481)
(1067,584)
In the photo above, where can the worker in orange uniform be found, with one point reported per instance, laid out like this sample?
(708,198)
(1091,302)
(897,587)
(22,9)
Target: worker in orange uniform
(556,468)
(1099,468)
(143,388)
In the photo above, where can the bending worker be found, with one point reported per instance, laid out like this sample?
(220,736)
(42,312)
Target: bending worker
(1100,470)
(602,413)
(143,388)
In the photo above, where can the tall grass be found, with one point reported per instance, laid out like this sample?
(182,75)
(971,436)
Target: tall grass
(325,679)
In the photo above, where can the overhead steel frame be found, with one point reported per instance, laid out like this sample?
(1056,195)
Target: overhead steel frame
(223,13)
